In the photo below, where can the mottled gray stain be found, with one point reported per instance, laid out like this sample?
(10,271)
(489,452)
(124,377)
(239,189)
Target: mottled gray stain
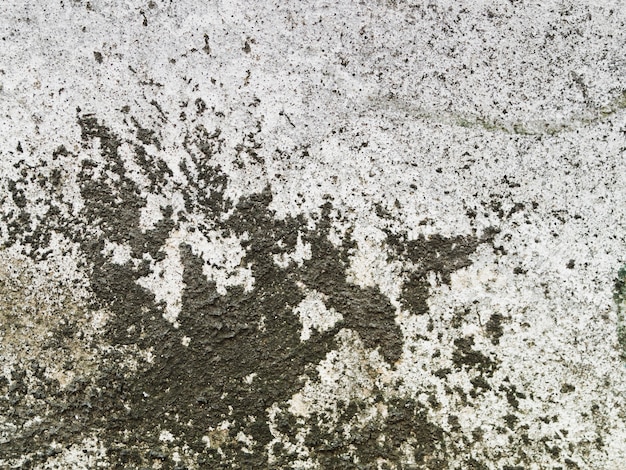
(202,383)
(620,299)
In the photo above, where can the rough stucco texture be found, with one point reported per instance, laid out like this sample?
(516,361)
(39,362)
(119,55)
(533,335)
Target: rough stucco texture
(312,235)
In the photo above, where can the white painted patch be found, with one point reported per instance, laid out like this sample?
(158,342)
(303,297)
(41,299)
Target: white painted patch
(261,326)
(314,314)
(249,378)
(247,440)
(151,213)
(166,280)
(299,406)
(98,319)
(301,253)
(166,436)
(370,265)
(222,258)
(119,254)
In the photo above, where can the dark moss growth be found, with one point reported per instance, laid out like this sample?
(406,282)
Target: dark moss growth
(146,136)
(512,395)
(510,420)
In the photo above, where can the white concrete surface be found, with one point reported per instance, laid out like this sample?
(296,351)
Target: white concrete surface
(417,119)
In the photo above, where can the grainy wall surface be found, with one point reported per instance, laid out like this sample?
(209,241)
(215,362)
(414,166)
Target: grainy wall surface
(312,234)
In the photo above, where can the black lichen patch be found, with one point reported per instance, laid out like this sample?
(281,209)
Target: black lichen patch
(244,333)
(512,395)
(384,439)
(494,328)
(465,356)
(234,355)
(231,337)
(146,136)
(437,254)
(365,310)
(112,203)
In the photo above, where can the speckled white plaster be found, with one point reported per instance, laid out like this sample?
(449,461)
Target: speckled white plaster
(499,123)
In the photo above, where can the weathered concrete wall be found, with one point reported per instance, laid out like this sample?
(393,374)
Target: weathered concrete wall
(367,235)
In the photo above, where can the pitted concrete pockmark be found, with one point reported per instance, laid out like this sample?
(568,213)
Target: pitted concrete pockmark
(312,235)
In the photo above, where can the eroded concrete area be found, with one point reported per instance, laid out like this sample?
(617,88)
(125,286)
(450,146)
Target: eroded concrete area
(374,236)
